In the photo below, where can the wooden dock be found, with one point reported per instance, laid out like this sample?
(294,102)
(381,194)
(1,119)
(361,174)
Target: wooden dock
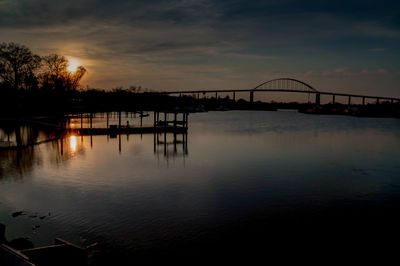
(127,130)
(175,122)
(162,123)
(61,253)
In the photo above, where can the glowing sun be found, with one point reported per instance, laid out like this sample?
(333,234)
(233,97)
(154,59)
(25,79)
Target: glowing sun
(73,64)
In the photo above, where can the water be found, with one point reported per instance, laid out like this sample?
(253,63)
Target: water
(247,181)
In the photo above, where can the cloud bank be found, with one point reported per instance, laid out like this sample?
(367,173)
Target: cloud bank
(186,44)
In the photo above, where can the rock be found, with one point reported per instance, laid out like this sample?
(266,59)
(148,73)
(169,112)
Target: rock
(15,214)
(20,243)
(2,233)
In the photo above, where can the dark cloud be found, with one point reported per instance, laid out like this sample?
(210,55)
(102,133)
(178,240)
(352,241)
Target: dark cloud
(208,40)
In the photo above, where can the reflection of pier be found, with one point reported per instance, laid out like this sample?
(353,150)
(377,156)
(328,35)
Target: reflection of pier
(175,147)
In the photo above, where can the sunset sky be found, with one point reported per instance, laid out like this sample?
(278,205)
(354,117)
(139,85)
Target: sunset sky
(346,46)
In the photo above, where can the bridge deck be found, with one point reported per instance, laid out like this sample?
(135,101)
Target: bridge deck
(282,90)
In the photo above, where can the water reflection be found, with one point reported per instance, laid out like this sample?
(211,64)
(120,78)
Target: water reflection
(22,136)
(170,145)
(72,143)
(58,148)
(249,176)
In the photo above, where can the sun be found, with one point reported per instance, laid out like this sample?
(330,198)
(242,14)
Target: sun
(73,64)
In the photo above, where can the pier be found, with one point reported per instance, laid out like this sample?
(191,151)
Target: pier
(166,121)
(162,123)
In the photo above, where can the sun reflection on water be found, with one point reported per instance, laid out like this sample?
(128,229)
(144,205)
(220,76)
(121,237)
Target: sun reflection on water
(73,143)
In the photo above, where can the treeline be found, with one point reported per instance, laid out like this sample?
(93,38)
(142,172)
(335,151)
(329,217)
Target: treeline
(42,85)
(29,82)
(20,69)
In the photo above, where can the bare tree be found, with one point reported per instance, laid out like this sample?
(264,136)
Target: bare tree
(76,77)
(55,75)
(17,66)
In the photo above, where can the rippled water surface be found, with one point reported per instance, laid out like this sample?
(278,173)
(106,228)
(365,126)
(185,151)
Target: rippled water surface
(240,173)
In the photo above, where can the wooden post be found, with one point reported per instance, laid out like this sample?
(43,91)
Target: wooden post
(216,95)
(333,98)
(377,100)
(165,119)
(119,119)
(234,96)
(363,100)
(119,142)
(81,120)
(185,147)
(141,118)
(165,143)
(349,102)
(107,119)
(154,142)
(175,149)
(154,118)
(251,96)
(91,118)
(62,146)
(175,119)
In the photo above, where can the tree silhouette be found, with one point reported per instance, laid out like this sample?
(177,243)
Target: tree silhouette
(17,66)
(55,76)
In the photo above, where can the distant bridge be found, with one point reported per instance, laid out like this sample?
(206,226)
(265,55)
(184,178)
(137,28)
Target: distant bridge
(286,85)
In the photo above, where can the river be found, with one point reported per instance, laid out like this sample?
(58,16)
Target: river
(256,182)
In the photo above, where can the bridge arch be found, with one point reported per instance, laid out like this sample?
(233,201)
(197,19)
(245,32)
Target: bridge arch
(285,84)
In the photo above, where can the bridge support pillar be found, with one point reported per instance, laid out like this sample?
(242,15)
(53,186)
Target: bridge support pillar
(349,102)
(216,95)
(333,99)
(234,96)
(363,100)
(251,96)
(317,99)
(377,100)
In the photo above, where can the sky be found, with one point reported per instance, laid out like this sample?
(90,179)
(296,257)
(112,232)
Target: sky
(339,46)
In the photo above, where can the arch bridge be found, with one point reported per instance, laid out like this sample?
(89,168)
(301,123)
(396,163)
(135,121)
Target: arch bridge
(285,85)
